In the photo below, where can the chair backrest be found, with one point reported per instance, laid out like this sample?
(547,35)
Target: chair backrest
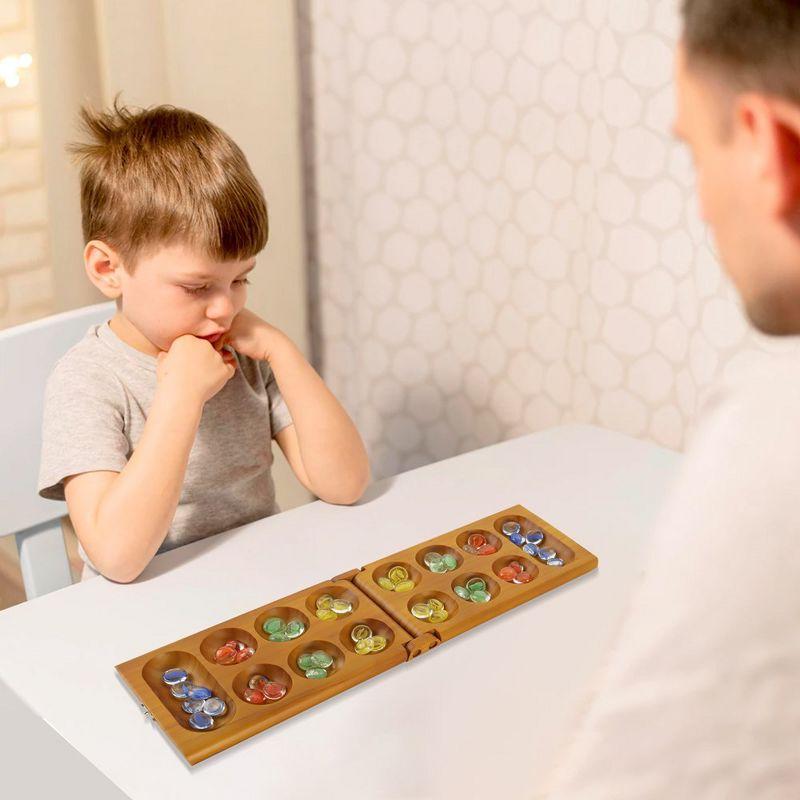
(28,354)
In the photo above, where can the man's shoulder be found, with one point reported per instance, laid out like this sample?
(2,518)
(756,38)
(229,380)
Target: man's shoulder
(747,441)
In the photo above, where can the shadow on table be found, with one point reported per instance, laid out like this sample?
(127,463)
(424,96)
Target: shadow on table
(173,559)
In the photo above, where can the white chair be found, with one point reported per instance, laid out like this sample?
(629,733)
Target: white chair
(27,355)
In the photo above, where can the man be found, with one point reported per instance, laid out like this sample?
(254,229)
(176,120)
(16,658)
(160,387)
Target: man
(701,695)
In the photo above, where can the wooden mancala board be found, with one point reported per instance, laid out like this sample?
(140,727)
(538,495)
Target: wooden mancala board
(387,613)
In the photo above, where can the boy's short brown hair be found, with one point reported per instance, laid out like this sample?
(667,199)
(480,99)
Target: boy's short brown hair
(753,44)
(161,175)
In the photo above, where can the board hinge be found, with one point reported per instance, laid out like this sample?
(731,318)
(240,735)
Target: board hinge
(421,644)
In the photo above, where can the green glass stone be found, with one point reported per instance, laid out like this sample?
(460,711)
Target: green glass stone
(449,560)
(316,672)
(476,585)
(294,629)
(480,596)
(462,592)
(432,559)
(278,637)
(438,567)
(306,661)
(273,625)
(322,659)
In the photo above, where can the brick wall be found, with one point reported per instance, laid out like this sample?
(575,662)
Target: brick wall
(26,285)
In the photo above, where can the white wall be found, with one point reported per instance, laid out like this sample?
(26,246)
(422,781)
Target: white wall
(506,237)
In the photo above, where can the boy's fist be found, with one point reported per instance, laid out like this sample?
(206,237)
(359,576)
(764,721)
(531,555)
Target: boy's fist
(251,336)
(194,369)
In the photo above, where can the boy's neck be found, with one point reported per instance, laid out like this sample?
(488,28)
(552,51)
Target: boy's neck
(128,333)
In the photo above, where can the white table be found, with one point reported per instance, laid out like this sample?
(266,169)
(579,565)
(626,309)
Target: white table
(412,732)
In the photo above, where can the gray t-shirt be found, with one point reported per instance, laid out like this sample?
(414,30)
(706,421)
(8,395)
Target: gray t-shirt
(96,405)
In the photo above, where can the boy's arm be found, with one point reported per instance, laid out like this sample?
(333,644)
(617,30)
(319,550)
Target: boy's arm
(322,445)
(122,518)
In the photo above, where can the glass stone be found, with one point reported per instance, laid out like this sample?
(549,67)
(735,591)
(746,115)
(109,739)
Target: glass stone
(176,675)
(316,672)
(214,707)
(200,721)
(181,690)
(534,537)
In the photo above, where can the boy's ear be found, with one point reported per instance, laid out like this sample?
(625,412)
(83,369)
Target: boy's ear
(104,268)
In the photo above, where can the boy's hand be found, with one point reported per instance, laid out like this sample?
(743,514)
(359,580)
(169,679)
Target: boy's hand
(251,336)
(193,368)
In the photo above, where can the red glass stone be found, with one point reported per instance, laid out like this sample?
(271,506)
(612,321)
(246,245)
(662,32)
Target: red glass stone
(244,654)
(476,540)
(507,573)
(516,566)
(258,682)
(274,690)
(225,655)
(523,577)
(254,696)
(487,550)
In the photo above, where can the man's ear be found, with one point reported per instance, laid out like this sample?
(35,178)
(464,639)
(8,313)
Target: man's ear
(104,268)
(773,127)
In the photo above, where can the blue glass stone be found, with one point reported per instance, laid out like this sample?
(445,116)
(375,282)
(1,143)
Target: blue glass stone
(200,693)
(200,721)
(531,550)
(181,690)
(192,706)
(172,676)
(511,527)
(517,538)
(214,707)
(534,537)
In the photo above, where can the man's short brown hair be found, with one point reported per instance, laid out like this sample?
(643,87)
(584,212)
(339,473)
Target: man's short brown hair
(754,44)
(165,175)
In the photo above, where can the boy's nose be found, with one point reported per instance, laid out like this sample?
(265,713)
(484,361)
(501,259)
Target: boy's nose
(221,307)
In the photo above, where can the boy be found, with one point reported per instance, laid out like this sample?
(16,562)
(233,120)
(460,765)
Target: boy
(158,424)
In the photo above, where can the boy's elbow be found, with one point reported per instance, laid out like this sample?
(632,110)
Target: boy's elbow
(115,568)
(118,573)
(350,492)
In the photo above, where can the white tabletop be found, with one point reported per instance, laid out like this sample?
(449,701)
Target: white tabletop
(494,702)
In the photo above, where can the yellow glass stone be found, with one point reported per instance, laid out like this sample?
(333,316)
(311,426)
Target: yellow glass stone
(378,643)
(325,614)
(438,616)
(405,586)
(435,604)
(364,647)
(360,632)
(421,610)
(385,583)
(398,574)
(341,606)
(324,601)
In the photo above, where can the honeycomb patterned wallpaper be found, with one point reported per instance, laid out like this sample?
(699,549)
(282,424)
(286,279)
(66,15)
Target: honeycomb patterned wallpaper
(503,235)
